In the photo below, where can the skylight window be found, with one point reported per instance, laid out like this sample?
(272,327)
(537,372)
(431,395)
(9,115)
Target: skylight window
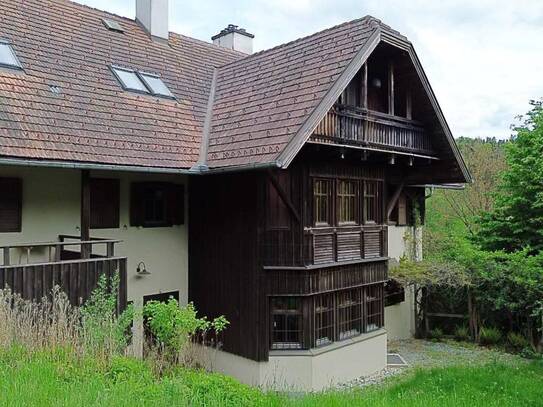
(155,84)
(112,25)
(130,80)
(142,82)
(8,57)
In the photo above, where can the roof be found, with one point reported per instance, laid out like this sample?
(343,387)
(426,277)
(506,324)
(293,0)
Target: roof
(65,44)
(232,111)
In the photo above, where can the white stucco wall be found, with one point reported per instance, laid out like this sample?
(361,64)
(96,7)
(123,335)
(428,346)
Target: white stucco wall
(400,318)
(51,206)
(312,370)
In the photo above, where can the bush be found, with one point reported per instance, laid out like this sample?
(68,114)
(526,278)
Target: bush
(102,331)
(517,341)
(461,333)
(489,336)
(436,334)
(173,327)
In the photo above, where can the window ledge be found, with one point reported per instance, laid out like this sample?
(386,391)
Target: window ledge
(328,348)
(325,265)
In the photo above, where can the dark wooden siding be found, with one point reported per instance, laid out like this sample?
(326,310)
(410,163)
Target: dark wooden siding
(224,274)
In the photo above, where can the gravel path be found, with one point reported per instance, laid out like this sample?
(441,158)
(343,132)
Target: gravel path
(425,354)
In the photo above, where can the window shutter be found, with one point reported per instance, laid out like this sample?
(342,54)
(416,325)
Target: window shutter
(11,193)
(137,190)
(105,197)
(175,201)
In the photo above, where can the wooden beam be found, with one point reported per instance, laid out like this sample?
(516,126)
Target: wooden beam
(284,196)
(364,87)
(392,203)
(85,214)
(408,105)
(391,88)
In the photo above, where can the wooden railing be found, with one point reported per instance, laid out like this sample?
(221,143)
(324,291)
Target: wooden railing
(341,244)
(35,277)
(357,126)
(326,246)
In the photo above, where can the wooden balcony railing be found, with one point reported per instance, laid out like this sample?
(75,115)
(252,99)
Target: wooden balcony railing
(326,246)
(41,266)
(351,125)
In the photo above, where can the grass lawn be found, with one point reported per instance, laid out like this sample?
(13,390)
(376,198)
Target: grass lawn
(59,379)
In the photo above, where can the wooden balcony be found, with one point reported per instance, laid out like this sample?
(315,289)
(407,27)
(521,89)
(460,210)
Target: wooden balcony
(361,127)
(33,269)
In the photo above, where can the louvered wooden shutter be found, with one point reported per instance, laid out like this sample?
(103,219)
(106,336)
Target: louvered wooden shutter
(175,204)
(105,196)
(11,193)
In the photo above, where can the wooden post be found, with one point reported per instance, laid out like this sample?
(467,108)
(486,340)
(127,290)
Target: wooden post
(85,213)
(364,87)
(110,251)
(6,256)
(391,88)
(408,105)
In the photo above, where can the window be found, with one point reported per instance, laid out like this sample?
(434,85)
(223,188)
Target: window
(371,201)
(157,204)
(346,201)
(130,80)
(155,85)
(141,82)
(374,307)
(8,58)
(324,319)
(349,313)
(112,25)
(321,202)
(11,197)
(278,212)
(104,203)
(287,328)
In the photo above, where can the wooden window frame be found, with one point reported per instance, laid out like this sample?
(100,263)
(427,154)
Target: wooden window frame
(347,313)
(329,196)
(376,202)
(373,307)
(356,204)
(113,199)
(13,202)
(173,206)
(287,313)
(324,316)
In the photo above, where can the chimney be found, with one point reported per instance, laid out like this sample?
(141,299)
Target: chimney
(153,16)
(235,38)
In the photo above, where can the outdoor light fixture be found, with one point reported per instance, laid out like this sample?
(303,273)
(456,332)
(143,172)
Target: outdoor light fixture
(364,156)
(392,159)
(411,159)
(376,83)
(141,270)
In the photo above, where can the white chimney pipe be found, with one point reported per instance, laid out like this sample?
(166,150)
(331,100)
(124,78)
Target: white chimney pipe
(153,16)
(235,38)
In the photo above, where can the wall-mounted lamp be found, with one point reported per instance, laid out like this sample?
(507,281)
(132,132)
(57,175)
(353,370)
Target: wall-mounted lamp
(392,159)
(411,160)
(141,270)
(364,156)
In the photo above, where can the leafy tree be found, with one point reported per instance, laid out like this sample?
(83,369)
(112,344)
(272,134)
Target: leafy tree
(516,221)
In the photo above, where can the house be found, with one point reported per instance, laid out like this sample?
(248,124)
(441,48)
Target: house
(270,187)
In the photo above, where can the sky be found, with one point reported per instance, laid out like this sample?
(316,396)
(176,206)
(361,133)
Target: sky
(484,58)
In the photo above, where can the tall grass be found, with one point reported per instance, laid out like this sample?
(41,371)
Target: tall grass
(50,323)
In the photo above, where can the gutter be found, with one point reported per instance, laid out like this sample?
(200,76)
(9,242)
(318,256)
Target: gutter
(196,170)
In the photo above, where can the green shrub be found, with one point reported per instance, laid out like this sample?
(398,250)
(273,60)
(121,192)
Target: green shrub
(529,353)
(461,333)
(102,330)
(517,341)
(489,336)
(174,326)
(436,334)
